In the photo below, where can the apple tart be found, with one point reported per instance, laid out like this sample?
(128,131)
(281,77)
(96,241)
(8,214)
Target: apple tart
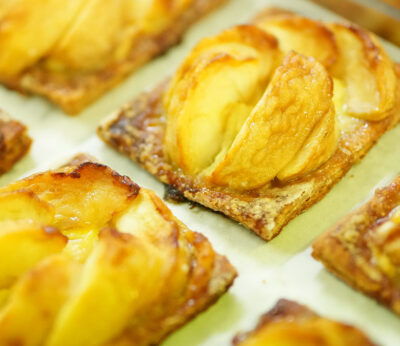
(260,121)
(14,142)
(73,52)
(363,248)
(90,258)
(291,324)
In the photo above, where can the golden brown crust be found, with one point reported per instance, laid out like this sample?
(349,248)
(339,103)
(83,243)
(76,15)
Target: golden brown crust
(300,326)
(138,130)
(73,92)
(351,248)
(14,142)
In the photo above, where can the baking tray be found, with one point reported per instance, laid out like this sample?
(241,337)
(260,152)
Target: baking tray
(282,268)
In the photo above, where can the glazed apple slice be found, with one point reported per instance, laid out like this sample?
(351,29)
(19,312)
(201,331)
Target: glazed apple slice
(118,271)
(29,29)
(25,205)
(300,34)
(367,72)
(36,299)
(152,15)
(91,41)
(319,147)
(22,245)
(289,116)
(150,220)
(213,92)
(87,198)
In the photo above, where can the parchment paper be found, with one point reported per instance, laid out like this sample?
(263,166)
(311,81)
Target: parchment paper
(282,268)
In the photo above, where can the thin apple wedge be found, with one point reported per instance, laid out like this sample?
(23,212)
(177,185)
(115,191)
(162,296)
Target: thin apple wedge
(319,147)
(367,72)
(27,316)
(22,245)
(303,35)
(89,44)
(296,101)
(117,272)
(213,92)
(86,198)
(25,205)
(150,220)
(153,15)
(29,29)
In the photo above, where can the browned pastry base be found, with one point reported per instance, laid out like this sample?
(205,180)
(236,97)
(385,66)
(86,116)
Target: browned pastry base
(137,130)
(298,325)
(73,92)
(346,251)
(211,276)
(14,142)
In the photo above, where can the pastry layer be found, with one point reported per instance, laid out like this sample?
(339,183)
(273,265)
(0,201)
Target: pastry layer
(289,323)
(14,142)
(362,248)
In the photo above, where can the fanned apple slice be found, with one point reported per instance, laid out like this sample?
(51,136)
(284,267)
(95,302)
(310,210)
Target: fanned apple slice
(213,92)
(367,71)
(90,42)
(25,205)
(32,305)
(87,197)
(32,23)
(22,245)
(118,270)
(294,104)
(149,219)
(303,35)
(319,147)
(153,15)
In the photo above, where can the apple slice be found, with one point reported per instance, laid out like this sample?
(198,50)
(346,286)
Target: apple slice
(91,41)
(25,205)
(367,72)
(149,219)
(294,104)
(86,197)
(22,245)
(120,277)
(29,29)
(213,92)
(34,302)
(152,16)
(303,35)
(319,147)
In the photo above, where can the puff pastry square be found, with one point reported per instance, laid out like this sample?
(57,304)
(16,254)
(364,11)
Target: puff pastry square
(289,323)
(89,257)
(72,54)
(363,248)
(14,142)
(262,120)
